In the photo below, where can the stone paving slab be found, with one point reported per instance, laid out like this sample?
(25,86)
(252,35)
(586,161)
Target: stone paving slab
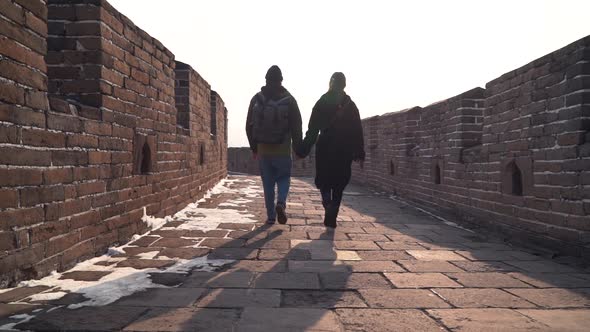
(108,318)
(292,280)
(551,280)
(346,280)
(84,275)
(386,320)
(374,266)
(555,297)
(561,320)
(7,310)
(288,319)
(420,280)
(20,293)
(162,297)
(487,280)
(387,267)
(241,298)
(145,263)
(322,299)
(186,319)
(482,298)
(495,320)
(428,266)
(240,279)
(402,298)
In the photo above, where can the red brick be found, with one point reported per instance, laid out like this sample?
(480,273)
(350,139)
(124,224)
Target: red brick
(89,188)
(36,24)
(37,195)
(98,128)
(85,219)
(58,176)
(570,139)
(47,230)
(122,157)
(12,11)
(20,177)
(8,198)
(105,199)
(37,7)
(43,138)
(86,173)
(37,100)
(82,141)
(70,192)
(69,158)
(23,75)
(92,231)
(23,36)
(112,210)
(62,242)
(7,241)
(80,251)
(63,122)
(21,217)
(27,257)
(24,157)
(99,157)
(9,134)
(21,116)
(18,53)
(12,93)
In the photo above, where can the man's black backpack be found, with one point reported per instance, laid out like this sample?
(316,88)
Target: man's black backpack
(270,119)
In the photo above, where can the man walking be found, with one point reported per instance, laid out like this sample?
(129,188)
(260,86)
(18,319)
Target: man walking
(273,125)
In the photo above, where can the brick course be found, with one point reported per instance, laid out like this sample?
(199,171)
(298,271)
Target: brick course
(89,134)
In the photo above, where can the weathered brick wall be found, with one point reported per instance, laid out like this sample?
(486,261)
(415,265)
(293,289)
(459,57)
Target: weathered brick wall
(514,157)
(91,135)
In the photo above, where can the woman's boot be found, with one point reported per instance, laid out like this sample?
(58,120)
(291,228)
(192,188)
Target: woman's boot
(331,215)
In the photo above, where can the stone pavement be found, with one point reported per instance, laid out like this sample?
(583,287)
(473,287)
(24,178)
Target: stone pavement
(387,267)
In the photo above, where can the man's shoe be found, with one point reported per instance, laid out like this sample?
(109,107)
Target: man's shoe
(270,222)
(281,215)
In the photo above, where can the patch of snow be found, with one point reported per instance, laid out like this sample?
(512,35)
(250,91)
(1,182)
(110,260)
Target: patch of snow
(204,264)
(113,251)
(153,222)
(228,204)
(148,255)
(47,296)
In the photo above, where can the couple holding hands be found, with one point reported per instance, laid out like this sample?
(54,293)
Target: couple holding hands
(273,127)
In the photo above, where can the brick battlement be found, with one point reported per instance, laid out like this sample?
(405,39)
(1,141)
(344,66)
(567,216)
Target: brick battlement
(513,157)
(97,122)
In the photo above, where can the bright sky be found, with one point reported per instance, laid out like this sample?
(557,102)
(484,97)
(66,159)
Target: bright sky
(395,54)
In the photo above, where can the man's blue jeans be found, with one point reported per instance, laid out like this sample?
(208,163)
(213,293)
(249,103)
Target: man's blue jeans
(275,171)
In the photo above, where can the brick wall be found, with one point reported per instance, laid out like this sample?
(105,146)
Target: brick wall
(513,157)
(90,134)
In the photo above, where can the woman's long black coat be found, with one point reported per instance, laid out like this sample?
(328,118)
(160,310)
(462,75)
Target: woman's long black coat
(336,119)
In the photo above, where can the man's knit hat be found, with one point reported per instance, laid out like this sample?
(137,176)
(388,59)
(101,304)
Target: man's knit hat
(274,74)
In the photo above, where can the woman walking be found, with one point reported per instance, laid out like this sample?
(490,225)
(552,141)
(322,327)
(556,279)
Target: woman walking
(336,119)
